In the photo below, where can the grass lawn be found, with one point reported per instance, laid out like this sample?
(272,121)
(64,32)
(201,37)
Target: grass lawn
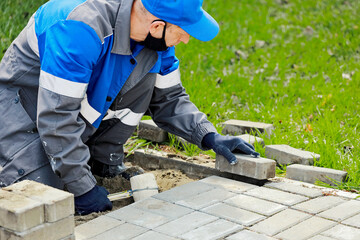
(293,63)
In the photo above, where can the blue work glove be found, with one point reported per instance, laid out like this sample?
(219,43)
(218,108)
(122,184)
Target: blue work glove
(225,145)
(95,200)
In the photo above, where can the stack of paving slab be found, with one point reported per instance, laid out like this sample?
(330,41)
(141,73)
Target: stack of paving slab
(220,208)
(33,211)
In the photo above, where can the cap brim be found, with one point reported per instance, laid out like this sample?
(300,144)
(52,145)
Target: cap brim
(205,29)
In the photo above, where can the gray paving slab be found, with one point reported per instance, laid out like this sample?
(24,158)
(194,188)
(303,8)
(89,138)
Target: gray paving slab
(139,217)
(151,235)
(185,224)
(343,233)
(206,198)
(122,232)
(228,184)
(319,204)
(342,211)
(252,139)
(236,127)
(248,235)
(255,204)
(285,155)
(306,229)
(321,237)
(160,207)
(234,214)
(292,188)
(150,131)
(214,230)
(277,196)
(184,191)
(280,221)
(353,221)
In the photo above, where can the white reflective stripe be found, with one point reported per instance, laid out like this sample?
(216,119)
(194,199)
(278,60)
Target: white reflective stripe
(125,115)
(168,80)
(88,112)
(62,86)
(31,36)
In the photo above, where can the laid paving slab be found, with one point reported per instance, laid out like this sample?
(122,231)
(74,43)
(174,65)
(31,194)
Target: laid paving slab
(277,196)
(319,204)
(153,235)
(343,232)
(342,211)
(228,184)
(312,174)
(353,221)
(121,232)
(181,226)
(306,229)
(233,214)
(255,205)
(280,221)
(285,155)
(249,235)
(321,237)
(237,127)
(252,139)
(257,168)
(214,230)
(297,189)
(150,131)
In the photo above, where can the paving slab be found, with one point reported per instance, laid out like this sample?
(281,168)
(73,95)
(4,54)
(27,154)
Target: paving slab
(306,229)
(234,214)
(297,189)
(214,230)
(321,237)
(319,204)
(277,196)
(257,168)
(252,139)
(353,221)
(280,221)
(228,184)
(285,155)
(248,235)
(151,235)
(150,131)
(237,127)
(343,233)
(121,232)
(342,211)
(312,174)
(186,224)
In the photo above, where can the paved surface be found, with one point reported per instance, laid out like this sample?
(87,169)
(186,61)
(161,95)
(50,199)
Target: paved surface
(219,208)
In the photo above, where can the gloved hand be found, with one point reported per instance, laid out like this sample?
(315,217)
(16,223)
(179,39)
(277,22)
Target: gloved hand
(95,200)
(225,145)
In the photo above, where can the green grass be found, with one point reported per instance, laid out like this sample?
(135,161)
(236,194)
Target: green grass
(293,64)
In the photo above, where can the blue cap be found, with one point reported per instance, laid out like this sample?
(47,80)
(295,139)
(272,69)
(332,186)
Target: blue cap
(187,14)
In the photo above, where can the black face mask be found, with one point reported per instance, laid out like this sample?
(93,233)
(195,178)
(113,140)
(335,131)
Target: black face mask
(157,44)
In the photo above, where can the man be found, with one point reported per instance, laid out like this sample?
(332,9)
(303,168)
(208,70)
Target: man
(79,77)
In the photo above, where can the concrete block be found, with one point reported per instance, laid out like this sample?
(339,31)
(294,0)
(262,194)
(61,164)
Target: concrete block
(343,232)
(255,205)
(257,168)
(252,139)
(248,235)
(277,196)
(285,155)
(153,235)
(185,224)
(19,213)
(206,199)
(162,208)
(228,184)
(280,221)
(306,229)
(96,226)
(237,127)
(122,232)
(139,217)
(212,231)
(319,204)
(150,131)
(343,211)
(58,204)
(311,174)
(184,191)
(353,221)
(233,214)
(297,189)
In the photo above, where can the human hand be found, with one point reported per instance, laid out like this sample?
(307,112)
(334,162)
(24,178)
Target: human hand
(95,200)
(225,145)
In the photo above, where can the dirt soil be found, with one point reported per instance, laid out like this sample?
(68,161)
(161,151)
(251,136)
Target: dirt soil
(165,178)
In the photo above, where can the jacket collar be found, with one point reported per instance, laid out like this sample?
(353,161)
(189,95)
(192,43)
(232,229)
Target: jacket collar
(121,44)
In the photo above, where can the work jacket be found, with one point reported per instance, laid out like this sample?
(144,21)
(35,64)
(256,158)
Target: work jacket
(73,84)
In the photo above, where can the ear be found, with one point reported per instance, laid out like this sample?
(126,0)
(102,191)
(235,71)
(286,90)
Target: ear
(156,28)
